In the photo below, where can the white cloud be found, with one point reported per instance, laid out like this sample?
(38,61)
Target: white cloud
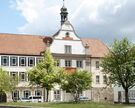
(104,19)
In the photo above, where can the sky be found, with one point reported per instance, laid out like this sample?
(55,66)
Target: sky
(102,19)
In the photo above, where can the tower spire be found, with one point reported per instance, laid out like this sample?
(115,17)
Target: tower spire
(63,2)
(64,13)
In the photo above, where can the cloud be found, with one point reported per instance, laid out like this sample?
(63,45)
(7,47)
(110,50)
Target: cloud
(103,19)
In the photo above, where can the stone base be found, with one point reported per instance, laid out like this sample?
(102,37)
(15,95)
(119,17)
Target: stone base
(102,94)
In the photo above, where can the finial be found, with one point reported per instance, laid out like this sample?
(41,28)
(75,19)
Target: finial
(63,2)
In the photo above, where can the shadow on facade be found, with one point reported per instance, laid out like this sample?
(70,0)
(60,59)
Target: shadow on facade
(3,97)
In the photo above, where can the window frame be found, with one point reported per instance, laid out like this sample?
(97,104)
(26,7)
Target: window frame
(11,61)
(68,49)
(29,61)
(57,94)
(68,63)
(20,76)
(3,59)
(79,64)
(20,61)
(25,95)
(97,79)
(97,65)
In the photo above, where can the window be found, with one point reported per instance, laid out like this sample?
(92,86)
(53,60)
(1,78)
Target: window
(97,79)
(22,61)
(15,95)
(97,64)
(58,62)
(79,64)
(68,49)
(68,63)
(38,93)
(104,79)
(22,76)
(13,61)
(38,60)
(31,61)
(14,75)
(5,60)
(57,95)
(26,93)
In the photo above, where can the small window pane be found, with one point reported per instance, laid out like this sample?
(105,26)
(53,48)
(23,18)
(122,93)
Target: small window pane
(57,95)
(97,79)
(26,93)
(22,76)
(68,63)
(97,64)
(38,60)
(13,61)
(31,61)
(5,60)
(68,49)
(79,64)
(22,61)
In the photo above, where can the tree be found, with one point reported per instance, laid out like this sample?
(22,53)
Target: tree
(7,83)
(119,64)
(76,83)
(44,74)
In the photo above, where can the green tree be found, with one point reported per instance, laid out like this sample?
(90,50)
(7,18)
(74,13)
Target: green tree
(44,74)
(76,83)
(7,83)
(119,64)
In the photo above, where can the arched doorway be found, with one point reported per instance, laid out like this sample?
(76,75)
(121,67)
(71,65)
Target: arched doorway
(3,97)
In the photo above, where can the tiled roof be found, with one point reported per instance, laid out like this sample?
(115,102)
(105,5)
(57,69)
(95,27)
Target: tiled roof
(96,47)
(34,45)
(21,44)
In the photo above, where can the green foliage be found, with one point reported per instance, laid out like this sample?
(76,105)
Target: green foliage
(7,83)
(45,73)
(76,83)
(119,64)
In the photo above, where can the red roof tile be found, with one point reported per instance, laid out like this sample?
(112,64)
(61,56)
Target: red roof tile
(96,47)
(34,45)
(21,44)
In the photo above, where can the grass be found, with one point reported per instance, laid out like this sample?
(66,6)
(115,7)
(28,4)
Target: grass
(66,105)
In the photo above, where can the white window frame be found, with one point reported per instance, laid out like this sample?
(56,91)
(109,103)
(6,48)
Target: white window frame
(38,92)
(68,63)
(68,49)
(97,64)
(57,94)
(3,59)
(20,76)
(97,79)
(79,64)
(26,93)
(29,61)
(20,61)
(12,58)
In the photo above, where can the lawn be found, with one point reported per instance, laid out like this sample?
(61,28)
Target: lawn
(67,105)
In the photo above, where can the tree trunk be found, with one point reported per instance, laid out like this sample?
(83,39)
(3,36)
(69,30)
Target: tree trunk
(47,95)
(126,96)
(44,94)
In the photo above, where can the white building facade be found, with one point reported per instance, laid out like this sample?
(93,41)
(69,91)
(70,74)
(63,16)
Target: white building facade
(18,53)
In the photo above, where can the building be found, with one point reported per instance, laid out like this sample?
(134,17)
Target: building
(21,52)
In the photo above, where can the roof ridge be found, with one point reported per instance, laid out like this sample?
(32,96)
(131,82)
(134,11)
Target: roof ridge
(23,34)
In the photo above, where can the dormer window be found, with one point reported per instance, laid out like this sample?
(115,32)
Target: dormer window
(68,49)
